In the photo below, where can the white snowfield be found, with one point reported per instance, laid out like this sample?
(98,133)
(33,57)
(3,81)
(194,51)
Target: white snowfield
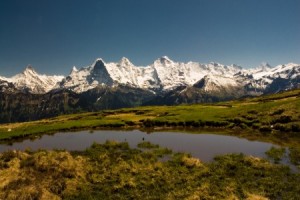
(163,75)
(34,82)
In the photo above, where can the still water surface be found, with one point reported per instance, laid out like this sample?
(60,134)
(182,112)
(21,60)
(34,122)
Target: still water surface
(204,146)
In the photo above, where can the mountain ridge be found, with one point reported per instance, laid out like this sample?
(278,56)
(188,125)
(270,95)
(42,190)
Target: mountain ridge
(101,85)
(30,80)
(163,74)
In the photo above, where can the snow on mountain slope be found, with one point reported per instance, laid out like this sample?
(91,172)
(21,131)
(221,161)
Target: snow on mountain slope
(87,78)
(217,83)
(280,71)
(124,72)
(290,71)
(173,74)
(262,77)
(6,86)
(163,74)
(30,80)
(259,72)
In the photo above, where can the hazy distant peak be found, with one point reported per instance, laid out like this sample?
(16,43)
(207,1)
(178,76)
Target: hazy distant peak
(265,66)
(29,68)
(125,62)
(74,69)
(164,60)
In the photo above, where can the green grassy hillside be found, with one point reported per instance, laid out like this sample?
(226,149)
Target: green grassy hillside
(276,115)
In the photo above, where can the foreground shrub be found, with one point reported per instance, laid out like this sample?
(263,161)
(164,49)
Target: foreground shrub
(276,154)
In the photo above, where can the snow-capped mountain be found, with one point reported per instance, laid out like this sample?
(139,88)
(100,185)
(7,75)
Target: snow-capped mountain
(6,86)
(265,77)
(33,82)
(163,75)
(110,74)
(217,83)
(122,84)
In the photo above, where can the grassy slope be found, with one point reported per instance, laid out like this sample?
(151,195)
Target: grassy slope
(115,171)
(274,114)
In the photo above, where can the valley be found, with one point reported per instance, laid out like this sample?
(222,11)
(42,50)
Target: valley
(118,170)
(272,115)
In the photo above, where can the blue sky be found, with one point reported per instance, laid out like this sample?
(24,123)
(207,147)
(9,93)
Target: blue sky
(54,35)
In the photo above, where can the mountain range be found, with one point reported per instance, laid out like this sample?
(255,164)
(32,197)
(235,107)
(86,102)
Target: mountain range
(30,95)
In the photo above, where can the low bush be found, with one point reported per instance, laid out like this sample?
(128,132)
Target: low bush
(277,112)
(276,154)
(295,127)
(281,127)
(8,156)
(130,123)
(147,145)
(265,129)
(282,119)
(294,155)
(253,112)
(148,123)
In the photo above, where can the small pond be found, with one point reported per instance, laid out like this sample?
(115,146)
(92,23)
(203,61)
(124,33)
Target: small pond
(204,146)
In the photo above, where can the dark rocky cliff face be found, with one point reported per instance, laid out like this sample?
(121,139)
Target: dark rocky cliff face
(24,106)
(100,74)
(16,106)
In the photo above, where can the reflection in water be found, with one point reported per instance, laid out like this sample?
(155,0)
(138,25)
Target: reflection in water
(203,146)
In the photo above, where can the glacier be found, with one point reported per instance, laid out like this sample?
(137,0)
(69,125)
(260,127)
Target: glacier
(162,75)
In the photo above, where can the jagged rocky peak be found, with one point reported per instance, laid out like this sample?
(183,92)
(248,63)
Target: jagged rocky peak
(163,75)
(29,69)
(125,62)
(264,66)
(99,74)
(98,60)
(99,64)
(215,64)
(164,60)
(288,66)
(74,69)
(292,64)
(236,66)
(204,81)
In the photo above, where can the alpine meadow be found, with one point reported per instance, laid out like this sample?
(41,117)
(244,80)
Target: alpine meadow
(126,99)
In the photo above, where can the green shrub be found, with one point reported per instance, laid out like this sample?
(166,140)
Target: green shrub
(265,129)
(278,112)
(253,112)
(8,156)
(294,155)
(147,145)
(280,127)
(282,119)
(276,154)
(148,123)
(295,127)
(130,123)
